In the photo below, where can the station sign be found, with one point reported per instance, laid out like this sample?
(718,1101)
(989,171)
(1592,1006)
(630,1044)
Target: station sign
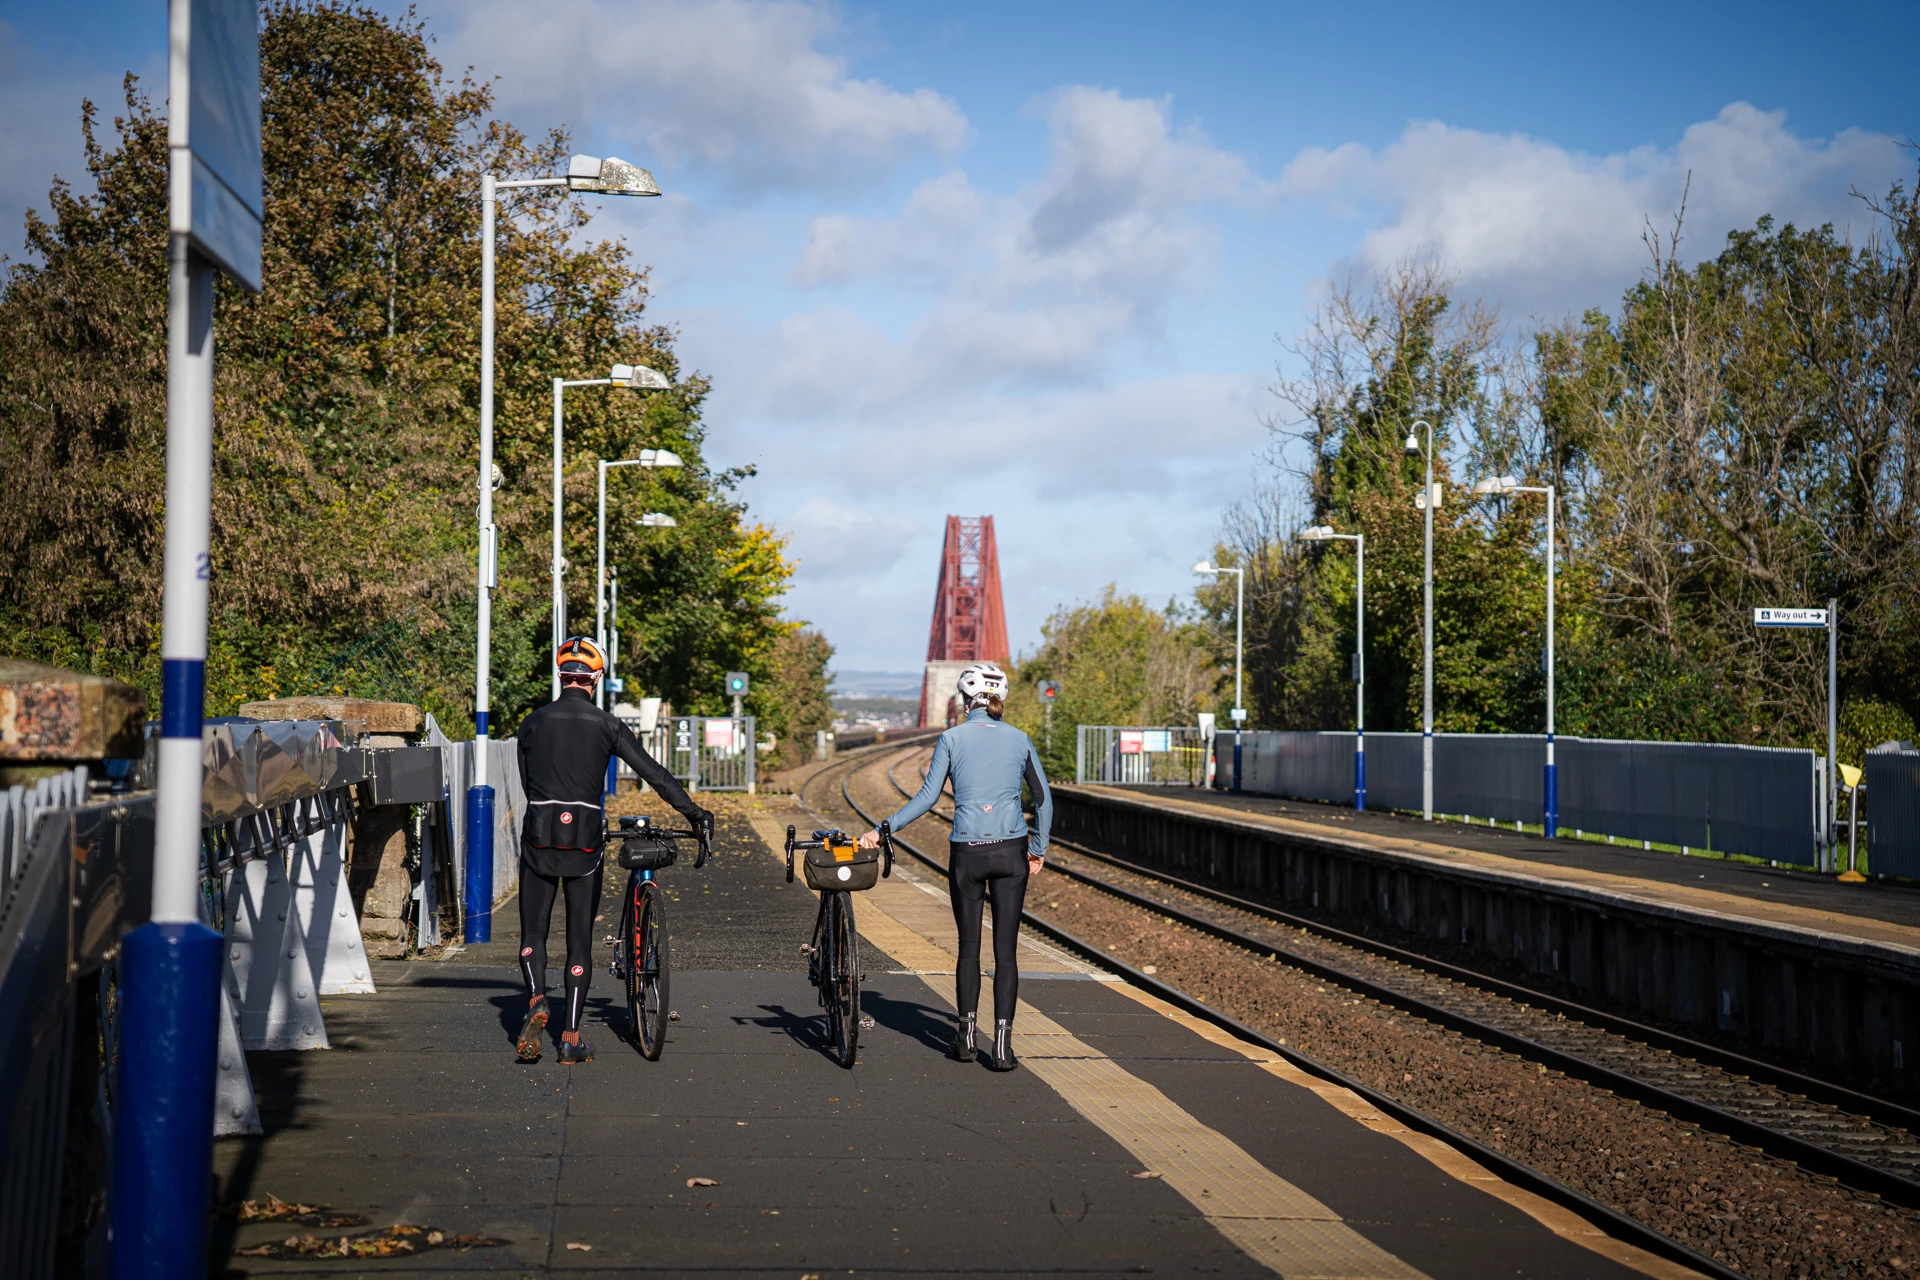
(1789,617)
(213,131)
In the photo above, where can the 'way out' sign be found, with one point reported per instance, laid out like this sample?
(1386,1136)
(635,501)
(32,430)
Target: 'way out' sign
(1789,617)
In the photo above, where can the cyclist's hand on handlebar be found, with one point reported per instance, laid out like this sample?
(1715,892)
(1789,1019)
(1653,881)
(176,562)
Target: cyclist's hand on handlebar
(871,840)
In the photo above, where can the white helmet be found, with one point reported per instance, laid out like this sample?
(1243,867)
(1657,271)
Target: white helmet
(981,681)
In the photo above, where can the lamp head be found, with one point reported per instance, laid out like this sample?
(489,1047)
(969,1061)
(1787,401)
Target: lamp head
(660,458)
(1496,484)
(640,378)
(610,177)
(1413,442)
(1316,533)
(655,520)
(1205,567)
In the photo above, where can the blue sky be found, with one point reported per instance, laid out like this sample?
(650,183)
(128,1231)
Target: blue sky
(1032,259)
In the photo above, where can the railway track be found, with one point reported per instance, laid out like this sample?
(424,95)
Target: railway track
(1864,1142)
(1617,1224)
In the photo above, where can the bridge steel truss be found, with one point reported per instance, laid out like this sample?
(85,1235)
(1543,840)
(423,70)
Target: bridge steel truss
(969,621)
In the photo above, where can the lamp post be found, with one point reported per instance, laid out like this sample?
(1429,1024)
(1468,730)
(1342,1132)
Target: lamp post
(648,458)
(1325,533)
(637,378)
(1427,504)
(1506,485)
(1239,712)
(614,177)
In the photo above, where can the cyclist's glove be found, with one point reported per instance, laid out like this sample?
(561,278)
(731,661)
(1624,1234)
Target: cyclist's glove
(704,825)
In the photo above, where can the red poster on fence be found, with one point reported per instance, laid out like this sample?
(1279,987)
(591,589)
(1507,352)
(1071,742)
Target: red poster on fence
(1130,742)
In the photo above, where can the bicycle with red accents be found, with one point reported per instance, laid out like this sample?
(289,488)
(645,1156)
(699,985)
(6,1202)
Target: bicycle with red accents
(640,950)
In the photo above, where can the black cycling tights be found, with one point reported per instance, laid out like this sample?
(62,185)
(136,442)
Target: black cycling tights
(537,893)
(977,873)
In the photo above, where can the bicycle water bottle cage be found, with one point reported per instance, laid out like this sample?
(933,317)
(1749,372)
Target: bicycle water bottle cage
(841,864)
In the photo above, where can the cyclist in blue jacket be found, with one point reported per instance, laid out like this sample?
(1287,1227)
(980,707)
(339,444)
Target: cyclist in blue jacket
(992,852)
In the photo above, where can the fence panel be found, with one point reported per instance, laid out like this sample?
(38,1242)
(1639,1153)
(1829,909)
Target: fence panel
(1892,804)
(1489,775)
(1306,765)
(1142,755)
(710,753)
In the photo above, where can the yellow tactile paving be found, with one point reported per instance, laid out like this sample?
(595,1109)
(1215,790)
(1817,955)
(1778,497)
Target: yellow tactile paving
(1266,1217)
(1654,893)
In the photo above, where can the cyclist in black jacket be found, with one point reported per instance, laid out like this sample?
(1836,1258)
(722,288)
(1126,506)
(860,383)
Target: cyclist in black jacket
(564,749)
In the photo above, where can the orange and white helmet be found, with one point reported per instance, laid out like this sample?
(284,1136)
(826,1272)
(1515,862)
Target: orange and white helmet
(981,681)
(578,655)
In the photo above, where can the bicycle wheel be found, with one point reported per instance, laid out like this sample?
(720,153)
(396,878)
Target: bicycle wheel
(648,971)
(844,1007)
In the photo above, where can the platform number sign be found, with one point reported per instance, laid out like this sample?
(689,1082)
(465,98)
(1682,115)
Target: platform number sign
(1049,691)
(737,684)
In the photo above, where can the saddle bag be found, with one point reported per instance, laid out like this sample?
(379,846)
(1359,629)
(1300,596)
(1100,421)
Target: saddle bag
(845,866)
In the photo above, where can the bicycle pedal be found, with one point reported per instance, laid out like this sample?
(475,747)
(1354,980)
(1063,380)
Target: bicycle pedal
(866,1024)
(673,1015)
(808,949)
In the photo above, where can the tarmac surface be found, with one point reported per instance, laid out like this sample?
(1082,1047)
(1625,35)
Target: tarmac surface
(1875,900)
(1134,1139)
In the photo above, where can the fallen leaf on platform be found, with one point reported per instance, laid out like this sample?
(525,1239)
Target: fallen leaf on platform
(701,1182)
(395,1241)
(1145,1173)
(1148,969)
(583,1248)
(277,1210)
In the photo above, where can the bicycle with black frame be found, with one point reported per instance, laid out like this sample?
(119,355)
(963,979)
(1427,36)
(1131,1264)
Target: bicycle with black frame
(640,949)
(837,867)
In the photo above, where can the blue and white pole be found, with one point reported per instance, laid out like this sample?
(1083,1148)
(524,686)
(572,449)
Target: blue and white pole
(170,966)
(1360,672)
(1551,822)
(478,895)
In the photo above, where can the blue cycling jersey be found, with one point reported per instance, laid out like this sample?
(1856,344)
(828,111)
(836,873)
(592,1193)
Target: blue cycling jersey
(987,760)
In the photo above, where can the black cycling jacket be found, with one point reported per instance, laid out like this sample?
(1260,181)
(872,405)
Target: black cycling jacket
(564,749)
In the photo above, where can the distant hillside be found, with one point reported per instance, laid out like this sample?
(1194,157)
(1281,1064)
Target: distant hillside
(877,684)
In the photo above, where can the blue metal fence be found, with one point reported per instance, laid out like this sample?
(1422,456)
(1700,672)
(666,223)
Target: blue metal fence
(1757,801)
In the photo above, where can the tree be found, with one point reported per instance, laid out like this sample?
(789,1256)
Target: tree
(1118,661)
(346,452)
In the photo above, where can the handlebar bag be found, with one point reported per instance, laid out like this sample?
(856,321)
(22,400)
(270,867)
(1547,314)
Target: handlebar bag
(563,824)
(846,866)
(646,855)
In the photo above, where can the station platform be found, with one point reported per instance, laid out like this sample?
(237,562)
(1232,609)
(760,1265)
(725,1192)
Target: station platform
(1875,912)
(1134,1138)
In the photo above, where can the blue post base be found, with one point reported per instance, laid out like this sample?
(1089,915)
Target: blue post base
(163,1101)
(1360,781)
(1552,821)
(479,885)
(613,776)
(1236,762)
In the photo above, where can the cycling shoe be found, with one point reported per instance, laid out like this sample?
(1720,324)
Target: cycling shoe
(528,1045)
(573,1054)
(1003,1059)
(962,1050)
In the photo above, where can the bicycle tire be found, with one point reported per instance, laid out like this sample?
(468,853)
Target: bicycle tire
(846,980)
(650,973)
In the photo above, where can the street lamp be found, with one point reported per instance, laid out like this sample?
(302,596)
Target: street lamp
(1239,712)
(1428,501)
(1325,533)
(612,177)
(634,378)
(648,458)
(1507,485)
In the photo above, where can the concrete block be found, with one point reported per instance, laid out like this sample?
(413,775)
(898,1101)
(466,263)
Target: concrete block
(379,717)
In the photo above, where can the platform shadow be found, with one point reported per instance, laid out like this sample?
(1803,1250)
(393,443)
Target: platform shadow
(930,1026)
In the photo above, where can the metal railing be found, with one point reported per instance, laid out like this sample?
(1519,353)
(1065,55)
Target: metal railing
(1761,802)
(707,753)
(1141,755)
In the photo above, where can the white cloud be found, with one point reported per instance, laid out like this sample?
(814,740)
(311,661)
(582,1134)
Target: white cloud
(742,88)
(835,539)
(1541,225)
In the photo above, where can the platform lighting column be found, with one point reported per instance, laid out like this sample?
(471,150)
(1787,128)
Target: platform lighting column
(648,458)
(611,176)
(1325,533)
(1550,807)
(1426,630)
(1239,711)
